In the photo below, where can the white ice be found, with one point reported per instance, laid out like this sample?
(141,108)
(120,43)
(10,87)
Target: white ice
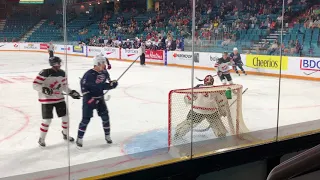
(138,105)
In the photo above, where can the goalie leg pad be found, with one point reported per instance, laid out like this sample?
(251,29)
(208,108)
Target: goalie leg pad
(216,124)
(185,126)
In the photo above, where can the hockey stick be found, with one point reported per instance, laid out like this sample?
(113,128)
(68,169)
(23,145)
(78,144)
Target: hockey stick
(206,129)
(310,73)
(108,96)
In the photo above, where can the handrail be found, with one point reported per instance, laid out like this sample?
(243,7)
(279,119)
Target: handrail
(303,162)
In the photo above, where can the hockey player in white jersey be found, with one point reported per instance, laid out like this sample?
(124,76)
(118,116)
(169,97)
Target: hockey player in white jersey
(223,69)
(206,105)
(51,83)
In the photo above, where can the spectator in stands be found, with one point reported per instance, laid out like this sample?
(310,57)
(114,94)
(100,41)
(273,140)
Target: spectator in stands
(298,48)
(292,46)
(273,48)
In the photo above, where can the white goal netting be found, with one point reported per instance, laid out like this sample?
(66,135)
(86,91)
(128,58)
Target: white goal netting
(213,112)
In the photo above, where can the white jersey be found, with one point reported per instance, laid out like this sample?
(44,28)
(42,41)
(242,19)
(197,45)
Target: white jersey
(206,102)
(51,47)
(223,65)
(55,80)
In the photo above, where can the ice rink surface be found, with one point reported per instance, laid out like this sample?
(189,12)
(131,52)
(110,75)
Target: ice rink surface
(138,105)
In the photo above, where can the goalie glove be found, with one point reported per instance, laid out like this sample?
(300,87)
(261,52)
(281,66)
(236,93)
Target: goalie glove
(74,94)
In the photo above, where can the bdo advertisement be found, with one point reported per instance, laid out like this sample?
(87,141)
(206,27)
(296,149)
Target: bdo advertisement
(266,62)
(310,64)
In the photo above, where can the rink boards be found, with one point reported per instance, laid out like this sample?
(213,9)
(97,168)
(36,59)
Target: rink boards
(291,67)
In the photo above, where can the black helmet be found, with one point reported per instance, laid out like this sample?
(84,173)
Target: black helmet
(54,61)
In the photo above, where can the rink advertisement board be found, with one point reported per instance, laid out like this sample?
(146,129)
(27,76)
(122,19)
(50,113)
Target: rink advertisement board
(9,46)
(294,67)
(154,54)
(110,52)
(129,54)
(266,62)
(78,49)
(29,46)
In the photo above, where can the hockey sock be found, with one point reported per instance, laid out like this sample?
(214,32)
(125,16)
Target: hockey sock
(65,124)
(106,125)
(44,128)
(82,127)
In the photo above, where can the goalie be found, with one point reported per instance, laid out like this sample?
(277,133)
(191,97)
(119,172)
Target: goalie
(206,105)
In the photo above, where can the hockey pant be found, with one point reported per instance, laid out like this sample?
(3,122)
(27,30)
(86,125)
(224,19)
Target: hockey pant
(142,59)
(240,66)
(214,120)
(47,116)
(87,113)
(226,77)
(50,53)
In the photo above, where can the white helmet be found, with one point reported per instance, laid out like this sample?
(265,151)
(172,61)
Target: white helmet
(235,49)
(99,59)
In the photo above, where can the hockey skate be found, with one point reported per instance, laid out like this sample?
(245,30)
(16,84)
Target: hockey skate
(79,142)
(108,139)
(65,137)
(41,142)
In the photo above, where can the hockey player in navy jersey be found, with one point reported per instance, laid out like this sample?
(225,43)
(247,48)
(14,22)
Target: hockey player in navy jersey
(93,83)
(50,84)
(237,62)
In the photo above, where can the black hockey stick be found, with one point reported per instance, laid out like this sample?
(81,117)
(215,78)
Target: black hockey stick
(310,73)
(206,129)
(108,97)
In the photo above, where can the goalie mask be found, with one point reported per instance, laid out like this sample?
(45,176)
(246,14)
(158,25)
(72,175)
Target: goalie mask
(208,80)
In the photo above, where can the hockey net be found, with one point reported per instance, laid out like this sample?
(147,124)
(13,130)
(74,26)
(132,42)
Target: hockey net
(225,120)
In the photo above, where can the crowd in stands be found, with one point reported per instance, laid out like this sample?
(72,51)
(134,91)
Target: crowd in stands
(225,24)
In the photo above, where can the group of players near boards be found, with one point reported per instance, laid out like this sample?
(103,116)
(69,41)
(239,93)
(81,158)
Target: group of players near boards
(51,85)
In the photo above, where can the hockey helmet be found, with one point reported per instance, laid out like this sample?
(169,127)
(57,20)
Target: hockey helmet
(98,60)
(208,80)
(55,61)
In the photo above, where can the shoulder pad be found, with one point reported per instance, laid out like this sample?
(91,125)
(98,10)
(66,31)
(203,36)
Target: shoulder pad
(45,72)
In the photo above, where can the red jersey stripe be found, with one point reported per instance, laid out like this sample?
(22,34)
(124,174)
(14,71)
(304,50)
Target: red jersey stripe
(50,100)
(40,78)
(35,82)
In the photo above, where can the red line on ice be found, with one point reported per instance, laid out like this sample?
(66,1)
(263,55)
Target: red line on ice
(26,123)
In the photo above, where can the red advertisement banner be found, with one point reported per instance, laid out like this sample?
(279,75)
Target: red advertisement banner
(154,54)
(43,46)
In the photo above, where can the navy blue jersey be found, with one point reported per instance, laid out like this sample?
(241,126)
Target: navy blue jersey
(236,58)
(93,83)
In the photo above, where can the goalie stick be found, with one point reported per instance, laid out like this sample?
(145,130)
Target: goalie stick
(206,129)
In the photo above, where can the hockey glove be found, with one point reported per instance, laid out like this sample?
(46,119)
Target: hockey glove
(74,94)
(113,84)
(219,73)
(47,91)
(109,66)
